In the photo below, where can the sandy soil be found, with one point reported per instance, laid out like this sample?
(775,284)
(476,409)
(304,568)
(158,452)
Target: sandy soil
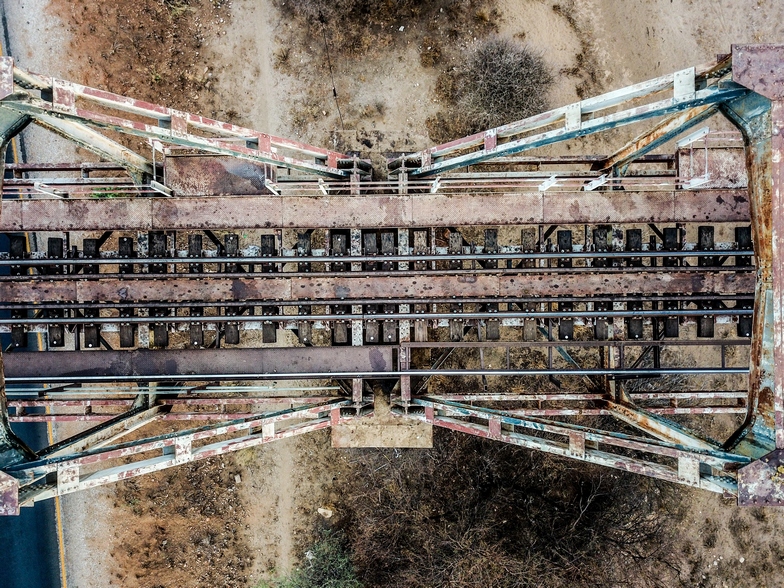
(385,99)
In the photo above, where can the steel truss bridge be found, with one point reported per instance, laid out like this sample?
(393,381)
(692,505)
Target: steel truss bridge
(235,288)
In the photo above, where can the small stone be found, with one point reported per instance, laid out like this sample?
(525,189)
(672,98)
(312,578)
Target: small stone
(237,479)
(325,512)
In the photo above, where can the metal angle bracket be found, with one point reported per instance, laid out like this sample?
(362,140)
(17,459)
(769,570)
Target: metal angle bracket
(593,184)
(695,182)
(692,137)
(761,483)
(684,84)
(548,183)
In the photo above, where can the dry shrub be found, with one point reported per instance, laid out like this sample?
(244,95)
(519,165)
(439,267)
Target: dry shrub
(356,27)
(472,512)
(325,565)
(499,83)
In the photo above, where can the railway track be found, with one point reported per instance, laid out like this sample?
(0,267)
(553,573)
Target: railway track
(616,309)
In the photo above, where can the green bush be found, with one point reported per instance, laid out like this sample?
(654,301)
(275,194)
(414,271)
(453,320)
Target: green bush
(325,565)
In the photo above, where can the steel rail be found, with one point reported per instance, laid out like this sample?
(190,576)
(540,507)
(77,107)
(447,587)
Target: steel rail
(650,299)
(256,260)
(239,318)
(393,374)
(383,274)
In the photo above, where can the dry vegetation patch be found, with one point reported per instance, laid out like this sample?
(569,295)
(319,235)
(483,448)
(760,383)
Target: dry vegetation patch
(184,528)
(501,81)
(471,512)
(358,27)
(153,50)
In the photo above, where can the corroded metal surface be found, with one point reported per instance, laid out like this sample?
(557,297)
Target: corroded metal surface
(66,106)
(758,67)
(347,288)
(9,495)
(371,210)
(761,483)
(726,166)
(146,364)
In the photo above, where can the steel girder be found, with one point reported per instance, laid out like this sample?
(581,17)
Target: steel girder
(90,462)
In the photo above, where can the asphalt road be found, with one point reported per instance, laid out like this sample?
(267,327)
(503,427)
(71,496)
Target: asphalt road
(29,556)
(29,552)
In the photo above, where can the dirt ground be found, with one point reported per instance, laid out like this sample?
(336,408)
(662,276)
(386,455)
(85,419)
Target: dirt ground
(234,522)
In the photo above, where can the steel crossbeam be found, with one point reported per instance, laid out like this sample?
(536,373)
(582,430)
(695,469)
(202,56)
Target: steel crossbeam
(97,466)
(690,89)
(575,441)
(371,210)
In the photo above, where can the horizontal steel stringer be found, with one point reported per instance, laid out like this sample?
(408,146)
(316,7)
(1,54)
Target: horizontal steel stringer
(682,464)
(691,89)
(59,98)
(88,468)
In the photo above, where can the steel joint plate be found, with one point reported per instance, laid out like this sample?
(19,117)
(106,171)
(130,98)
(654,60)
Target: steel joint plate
(761,483)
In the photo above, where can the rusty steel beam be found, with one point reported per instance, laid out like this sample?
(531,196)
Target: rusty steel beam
(758,68)
(373,210)
(663,429)
(521,412)
(502,426)
(608,111)
(99,144)
(61,100)
(190,363)
(96,467)
(660,134)
(53,402)
(115,427)
(337,289)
